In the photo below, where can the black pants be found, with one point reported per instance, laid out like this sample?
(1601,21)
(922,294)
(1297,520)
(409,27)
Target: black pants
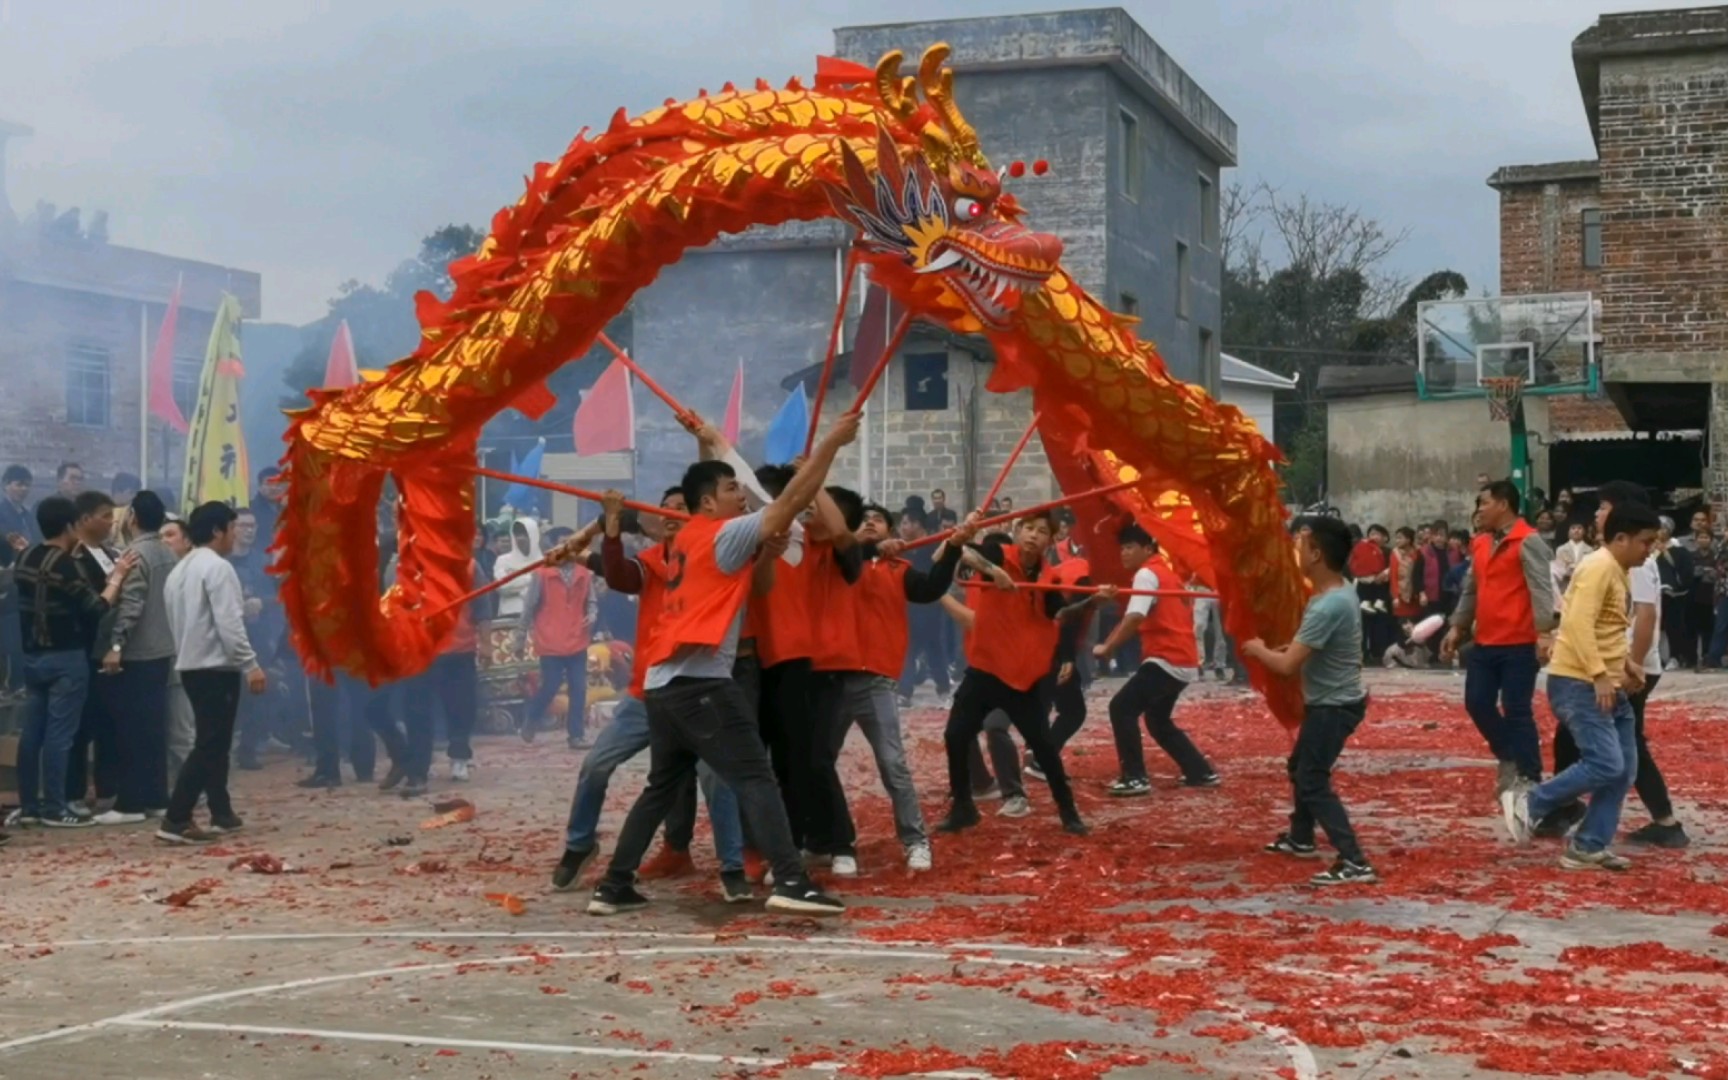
(1700,625)
(1069,701)
(137,698)
(1652,788)
(927,655)
(980,694)
(1152,693)
(681,819)
(337,710)
(809,783)
(96,738)
(404,726)
(1325,729)
(215,698)
(1674,624)
(837,834)
(707,720)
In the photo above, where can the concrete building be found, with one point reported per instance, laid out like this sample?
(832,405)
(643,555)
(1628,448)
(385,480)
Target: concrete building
(1135,150)
(1252,389)
(78,316)
(1641,227)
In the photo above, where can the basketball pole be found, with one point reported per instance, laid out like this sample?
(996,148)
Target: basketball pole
(1520,453)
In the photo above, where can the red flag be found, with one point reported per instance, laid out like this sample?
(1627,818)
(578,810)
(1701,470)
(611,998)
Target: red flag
(881,315)
(340,371)
(162,403)
(734,408)
(606,419)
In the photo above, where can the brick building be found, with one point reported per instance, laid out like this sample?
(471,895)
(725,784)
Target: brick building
(1135,150)
(78,316)
(1643,228)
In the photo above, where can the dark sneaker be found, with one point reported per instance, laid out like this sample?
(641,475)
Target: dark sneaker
(248,762)
(960,816)
(610,899)
(735,887)
(803,898)
(392,778)
(5,838)
(67,821)
(1035,772)
(317,781)
(1129,786)
(1346,872)
(221,825)
(1286,846)
(578,742)
(528,731)
(1575,858)
(183,834)
(1072,824)
(1560,822)
(1209,780)
(569,868)
(1662,836)
(413,787)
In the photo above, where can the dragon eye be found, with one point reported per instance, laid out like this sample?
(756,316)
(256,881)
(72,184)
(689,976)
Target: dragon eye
(968,209)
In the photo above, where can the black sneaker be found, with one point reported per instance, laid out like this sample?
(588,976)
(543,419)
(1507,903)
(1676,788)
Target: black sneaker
(1662,836)
(413,787)
(960,816)
(1560,822)
(610,899)
(1129,786)
(228,824)
(1345,872)
(569,868)
(1072,824)
(317,781)
(803,898)
(182,834)
(395,776)
(1209,780)
(735,887)
(67,821)
(1286,846)
(527,731)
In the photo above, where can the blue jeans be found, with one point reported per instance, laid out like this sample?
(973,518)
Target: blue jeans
(624,738)
(58,683)
(1499,695)
(1718,635)
(555,671)
(1607,763)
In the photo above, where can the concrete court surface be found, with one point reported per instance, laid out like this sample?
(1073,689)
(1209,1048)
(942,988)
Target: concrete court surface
(1163,945)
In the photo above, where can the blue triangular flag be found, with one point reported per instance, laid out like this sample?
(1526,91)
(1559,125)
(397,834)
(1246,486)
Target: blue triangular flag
(521,496)
(789,428)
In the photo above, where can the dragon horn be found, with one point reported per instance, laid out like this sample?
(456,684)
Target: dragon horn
(938,84)
(889,87)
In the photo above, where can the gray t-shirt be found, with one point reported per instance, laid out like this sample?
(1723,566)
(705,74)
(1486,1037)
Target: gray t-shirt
(734,546)
(1332,628)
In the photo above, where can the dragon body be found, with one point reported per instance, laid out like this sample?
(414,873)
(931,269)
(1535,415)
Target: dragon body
(890,154)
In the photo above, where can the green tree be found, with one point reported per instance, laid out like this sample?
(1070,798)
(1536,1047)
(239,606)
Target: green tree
(1306,286)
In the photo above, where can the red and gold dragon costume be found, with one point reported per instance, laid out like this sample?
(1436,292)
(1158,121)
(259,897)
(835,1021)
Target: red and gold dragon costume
(893,156)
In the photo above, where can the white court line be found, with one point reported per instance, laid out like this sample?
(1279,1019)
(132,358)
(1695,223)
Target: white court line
(1301,1057)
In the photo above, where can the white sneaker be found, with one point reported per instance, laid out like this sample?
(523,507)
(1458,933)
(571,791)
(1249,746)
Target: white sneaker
(461,770)
(1014,806)
(1515,808)
(918,858)
(844,866)
(79,807)
(116,817)
(17,819)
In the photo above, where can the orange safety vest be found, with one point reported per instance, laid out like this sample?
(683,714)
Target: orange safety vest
(701,600)
(1167,631)
(648,605)
(836,612)
(561,623)
(786,629)
(1504,613)
(884,634)
(1011,637)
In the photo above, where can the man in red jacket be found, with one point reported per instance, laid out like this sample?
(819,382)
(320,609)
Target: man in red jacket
(559,612)
(1508,601)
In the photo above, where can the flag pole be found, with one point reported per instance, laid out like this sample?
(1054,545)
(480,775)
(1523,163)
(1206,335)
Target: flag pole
(1003,519)
(144,393)
(1002,477)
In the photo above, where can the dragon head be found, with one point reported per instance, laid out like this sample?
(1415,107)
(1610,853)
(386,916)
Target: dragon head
(938,230)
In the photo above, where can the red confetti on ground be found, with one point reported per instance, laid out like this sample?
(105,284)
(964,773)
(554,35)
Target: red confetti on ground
(183,897)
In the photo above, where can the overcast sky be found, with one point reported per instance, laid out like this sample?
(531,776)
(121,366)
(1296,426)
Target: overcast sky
(317,140)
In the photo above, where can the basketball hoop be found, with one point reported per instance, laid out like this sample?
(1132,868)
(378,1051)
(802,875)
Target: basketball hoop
(1504,394)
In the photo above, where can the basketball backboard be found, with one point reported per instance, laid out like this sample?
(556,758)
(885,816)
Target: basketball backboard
(1550,340)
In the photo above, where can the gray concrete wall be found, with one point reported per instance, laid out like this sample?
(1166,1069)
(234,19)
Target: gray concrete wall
(1395,460)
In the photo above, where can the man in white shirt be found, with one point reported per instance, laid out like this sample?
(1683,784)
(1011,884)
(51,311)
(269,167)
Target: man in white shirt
(524,551)
(206,614)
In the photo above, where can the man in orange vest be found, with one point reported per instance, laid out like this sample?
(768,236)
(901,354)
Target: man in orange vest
(1008,653)
(696,712)
(559,610)
(1508,600)
(1169,661)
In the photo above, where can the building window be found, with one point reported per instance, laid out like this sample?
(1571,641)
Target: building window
(1182,287)
(1208,213)
(188,370)
(87,386)
(1128,304)
(1209,359)
(1130,163)
(1591,222)
(926,382)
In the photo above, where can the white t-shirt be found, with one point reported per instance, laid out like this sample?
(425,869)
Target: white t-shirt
(1145,578)
(1647,589)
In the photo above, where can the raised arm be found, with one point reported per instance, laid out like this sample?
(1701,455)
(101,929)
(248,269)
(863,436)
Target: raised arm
(778,516)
